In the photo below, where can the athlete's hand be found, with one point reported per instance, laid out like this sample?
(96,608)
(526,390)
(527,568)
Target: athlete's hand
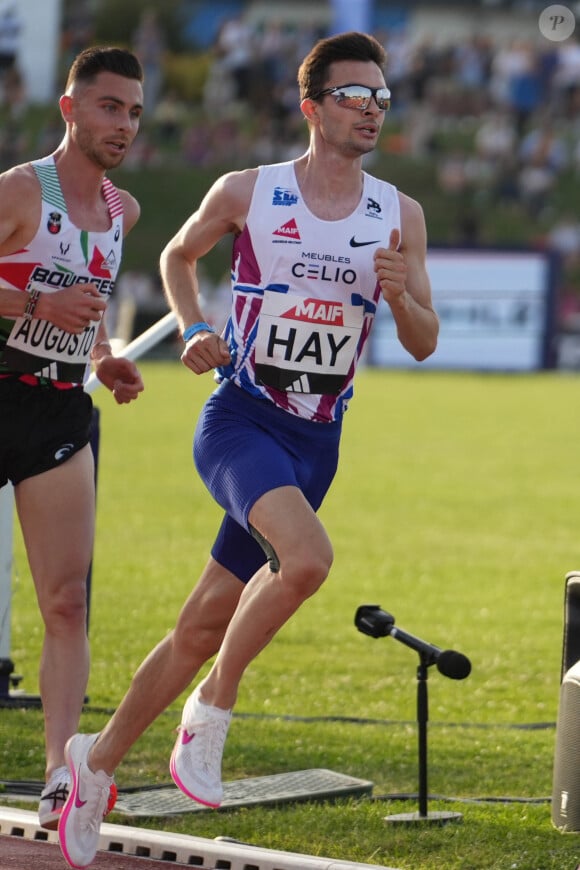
(121,376)
(391,269)
(73,308)
(204,351)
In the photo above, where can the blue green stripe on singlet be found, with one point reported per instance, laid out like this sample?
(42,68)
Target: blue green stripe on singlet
(51,192)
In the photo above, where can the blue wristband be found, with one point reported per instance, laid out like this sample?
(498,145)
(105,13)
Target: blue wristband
(195,328)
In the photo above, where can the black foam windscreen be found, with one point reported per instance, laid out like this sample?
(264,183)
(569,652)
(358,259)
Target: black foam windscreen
(453,664)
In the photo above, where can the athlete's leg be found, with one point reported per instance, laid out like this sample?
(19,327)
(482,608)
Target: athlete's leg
(172,665)
(286,520)
(56,510)
(159,680)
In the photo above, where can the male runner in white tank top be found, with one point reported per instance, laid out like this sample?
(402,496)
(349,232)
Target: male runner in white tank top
(62,224)
(317,245)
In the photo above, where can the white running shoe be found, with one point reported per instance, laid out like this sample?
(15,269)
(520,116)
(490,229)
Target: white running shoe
(88,803)
(53,798)
(196,759)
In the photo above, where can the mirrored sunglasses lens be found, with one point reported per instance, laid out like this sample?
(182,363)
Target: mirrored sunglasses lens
(359,97)
(354,97)
(384,99)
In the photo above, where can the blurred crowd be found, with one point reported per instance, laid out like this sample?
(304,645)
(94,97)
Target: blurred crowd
(519,103)
(499,120)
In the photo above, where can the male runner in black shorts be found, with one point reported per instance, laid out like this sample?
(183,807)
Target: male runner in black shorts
(62,224)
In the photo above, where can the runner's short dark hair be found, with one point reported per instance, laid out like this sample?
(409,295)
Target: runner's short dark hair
(313,72)
(92,61)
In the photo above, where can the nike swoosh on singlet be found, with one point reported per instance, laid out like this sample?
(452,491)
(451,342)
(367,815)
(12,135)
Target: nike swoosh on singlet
(186,737)
(354,244)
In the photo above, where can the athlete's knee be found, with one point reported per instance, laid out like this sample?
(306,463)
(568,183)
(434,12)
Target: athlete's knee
(196,642)
(305,570)
(65,607)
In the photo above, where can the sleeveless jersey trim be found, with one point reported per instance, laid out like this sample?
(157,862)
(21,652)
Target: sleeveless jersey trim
(304,294)
(59,255)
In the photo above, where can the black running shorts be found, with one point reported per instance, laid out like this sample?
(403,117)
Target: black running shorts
(40,427)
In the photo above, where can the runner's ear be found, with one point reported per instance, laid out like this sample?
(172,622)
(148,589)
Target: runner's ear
(308,108)
(65,104)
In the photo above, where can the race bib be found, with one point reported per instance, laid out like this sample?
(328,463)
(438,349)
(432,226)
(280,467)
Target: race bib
(38,346)
(306,345)
(43,339)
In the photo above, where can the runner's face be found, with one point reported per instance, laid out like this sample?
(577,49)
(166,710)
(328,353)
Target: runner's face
(105,117)
(353,131)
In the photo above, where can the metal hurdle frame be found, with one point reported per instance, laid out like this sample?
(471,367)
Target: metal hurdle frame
(133,350)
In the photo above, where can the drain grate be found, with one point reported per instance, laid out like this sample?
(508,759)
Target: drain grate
(301,785)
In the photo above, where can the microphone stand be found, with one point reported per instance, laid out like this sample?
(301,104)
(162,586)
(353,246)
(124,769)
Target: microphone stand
(422,719)
(373,621)
(437,817)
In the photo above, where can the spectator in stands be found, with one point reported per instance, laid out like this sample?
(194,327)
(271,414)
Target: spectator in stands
(10,33)
(543,156)
(149,46)
(234,47)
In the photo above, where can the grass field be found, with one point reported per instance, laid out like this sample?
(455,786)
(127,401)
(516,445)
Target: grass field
(456,509)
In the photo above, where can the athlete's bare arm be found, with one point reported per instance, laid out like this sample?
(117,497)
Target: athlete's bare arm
(402,273)
(120,375)
(223,210)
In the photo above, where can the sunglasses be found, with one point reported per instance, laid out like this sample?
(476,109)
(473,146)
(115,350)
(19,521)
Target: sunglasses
(358,96)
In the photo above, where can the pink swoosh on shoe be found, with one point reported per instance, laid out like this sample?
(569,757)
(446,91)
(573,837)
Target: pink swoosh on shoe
(78,802)
(186,737)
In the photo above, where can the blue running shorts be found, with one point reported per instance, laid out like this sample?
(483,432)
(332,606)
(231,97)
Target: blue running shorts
(244,447)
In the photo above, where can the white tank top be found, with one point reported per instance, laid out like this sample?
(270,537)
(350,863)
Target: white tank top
(60,254)
(304,294)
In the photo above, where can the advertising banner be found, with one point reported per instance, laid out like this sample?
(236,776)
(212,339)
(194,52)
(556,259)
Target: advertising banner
(496,312)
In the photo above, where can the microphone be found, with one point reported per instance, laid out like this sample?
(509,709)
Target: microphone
(371,620)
